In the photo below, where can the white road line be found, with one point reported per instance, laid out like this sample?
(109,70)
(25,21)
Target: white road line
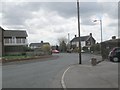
(62,79)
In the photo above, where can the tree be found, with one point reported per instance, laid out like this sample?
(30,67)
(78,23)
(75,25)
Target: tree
(57,47)
(46,49)
(95,48)
(62,44)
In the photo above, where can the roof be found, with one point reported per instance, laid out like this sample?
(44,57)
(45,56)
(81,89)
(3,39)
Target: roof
(16,33)
(112,41)
(38,44)
(83,38)
(1,28)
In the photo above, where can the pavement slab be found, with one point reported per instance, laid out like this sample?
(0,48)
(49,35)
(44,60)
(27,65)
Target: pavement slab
(103,75)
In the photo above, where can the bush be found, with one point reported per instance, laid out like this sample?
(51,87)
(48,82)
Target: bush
(76,49)
(95,48)
(85,48)
(46,49)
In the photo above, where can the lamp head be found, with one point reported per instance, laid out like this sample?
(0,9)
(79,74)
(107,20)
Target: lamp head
(95,21)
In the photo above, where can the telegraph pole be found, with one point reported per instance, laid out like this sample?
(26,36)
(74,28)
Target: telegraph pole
(78,12)
(68,41)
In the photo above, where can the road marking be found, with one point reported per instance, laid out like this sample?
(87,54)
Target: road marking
(62,79)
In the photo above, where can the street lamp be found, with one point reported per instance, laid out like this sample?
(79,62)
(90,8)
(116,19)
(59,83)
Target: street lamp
(68,42)
(101,34)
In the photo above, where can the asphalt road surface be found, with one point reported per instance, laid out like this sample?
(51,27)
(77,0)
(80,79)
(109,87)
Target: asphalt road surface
(40,73)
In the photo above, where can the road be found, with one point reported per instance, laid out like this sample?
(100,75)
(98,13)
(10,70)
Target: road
(39,74)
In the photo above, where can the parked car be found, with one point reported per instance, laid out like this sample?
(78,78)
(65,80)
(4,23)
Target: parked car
(55,51)
(114,54)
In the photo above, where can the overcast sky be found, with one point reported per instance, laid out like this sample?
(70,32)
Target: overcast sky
(49,21)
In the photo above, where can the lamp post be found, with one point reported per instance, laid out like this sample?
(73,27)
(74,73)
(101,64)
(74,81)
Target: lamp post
(80,62)
(101,34)
(68,42)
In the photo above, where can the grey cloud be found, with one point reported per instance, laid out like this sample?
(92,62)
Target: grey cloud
(87,21)
(89,8)
(65,9)
(14,14)
(69,9)
(113,24)
(17,14)
(111,8)
(59,30)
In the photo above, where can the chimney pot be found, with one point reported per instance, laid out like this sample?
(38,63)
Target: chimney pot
(90,34)
(41,41)
(75,36)
(113,37)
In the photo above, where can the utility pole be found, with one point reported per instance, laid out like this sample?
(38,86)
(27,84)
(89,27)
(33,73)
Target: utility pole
(78,12)
(100,21)
(68,41)
(101,30)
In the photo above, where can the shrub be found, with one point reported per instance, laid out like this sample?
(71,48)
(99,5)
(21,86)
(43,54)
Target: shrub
(95,48)
(85,48)
(46,49)
(76,49)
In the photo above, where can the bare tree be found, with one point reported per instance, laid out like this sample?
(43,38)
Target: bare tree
(62,44)
(61,39)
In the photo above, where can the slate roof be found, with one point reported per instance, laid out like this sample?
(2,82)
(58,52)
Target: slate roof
(83,38)
(38,44)
(15,33)
(112,41)
(1,28)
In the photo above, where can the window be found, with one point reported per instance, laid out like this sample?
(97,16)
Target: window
(13,39)
(6,40)
(18,40)
(23,40)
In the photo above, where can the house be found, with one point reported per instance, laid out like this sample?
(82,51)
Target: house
(38,45)
(15,41)
(1,42)
(85,41)
(108,45)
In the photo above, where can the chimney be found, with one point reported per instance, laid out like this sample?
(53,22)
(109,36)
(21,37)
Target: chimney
(90,34)
(41,41)
(113,37)
(75,36)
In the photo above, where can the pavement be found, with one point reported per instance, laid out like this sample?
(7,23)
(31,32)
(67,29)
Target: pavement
(103,75)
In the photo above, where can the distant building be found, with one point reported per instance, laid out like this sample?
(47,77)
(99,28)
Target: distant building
(38,45)
(85,41)
(108,45)
(15,41)
(1,42)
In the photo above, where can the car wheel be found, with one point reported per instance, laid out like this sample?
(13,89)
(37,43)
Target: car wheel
(115,59)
